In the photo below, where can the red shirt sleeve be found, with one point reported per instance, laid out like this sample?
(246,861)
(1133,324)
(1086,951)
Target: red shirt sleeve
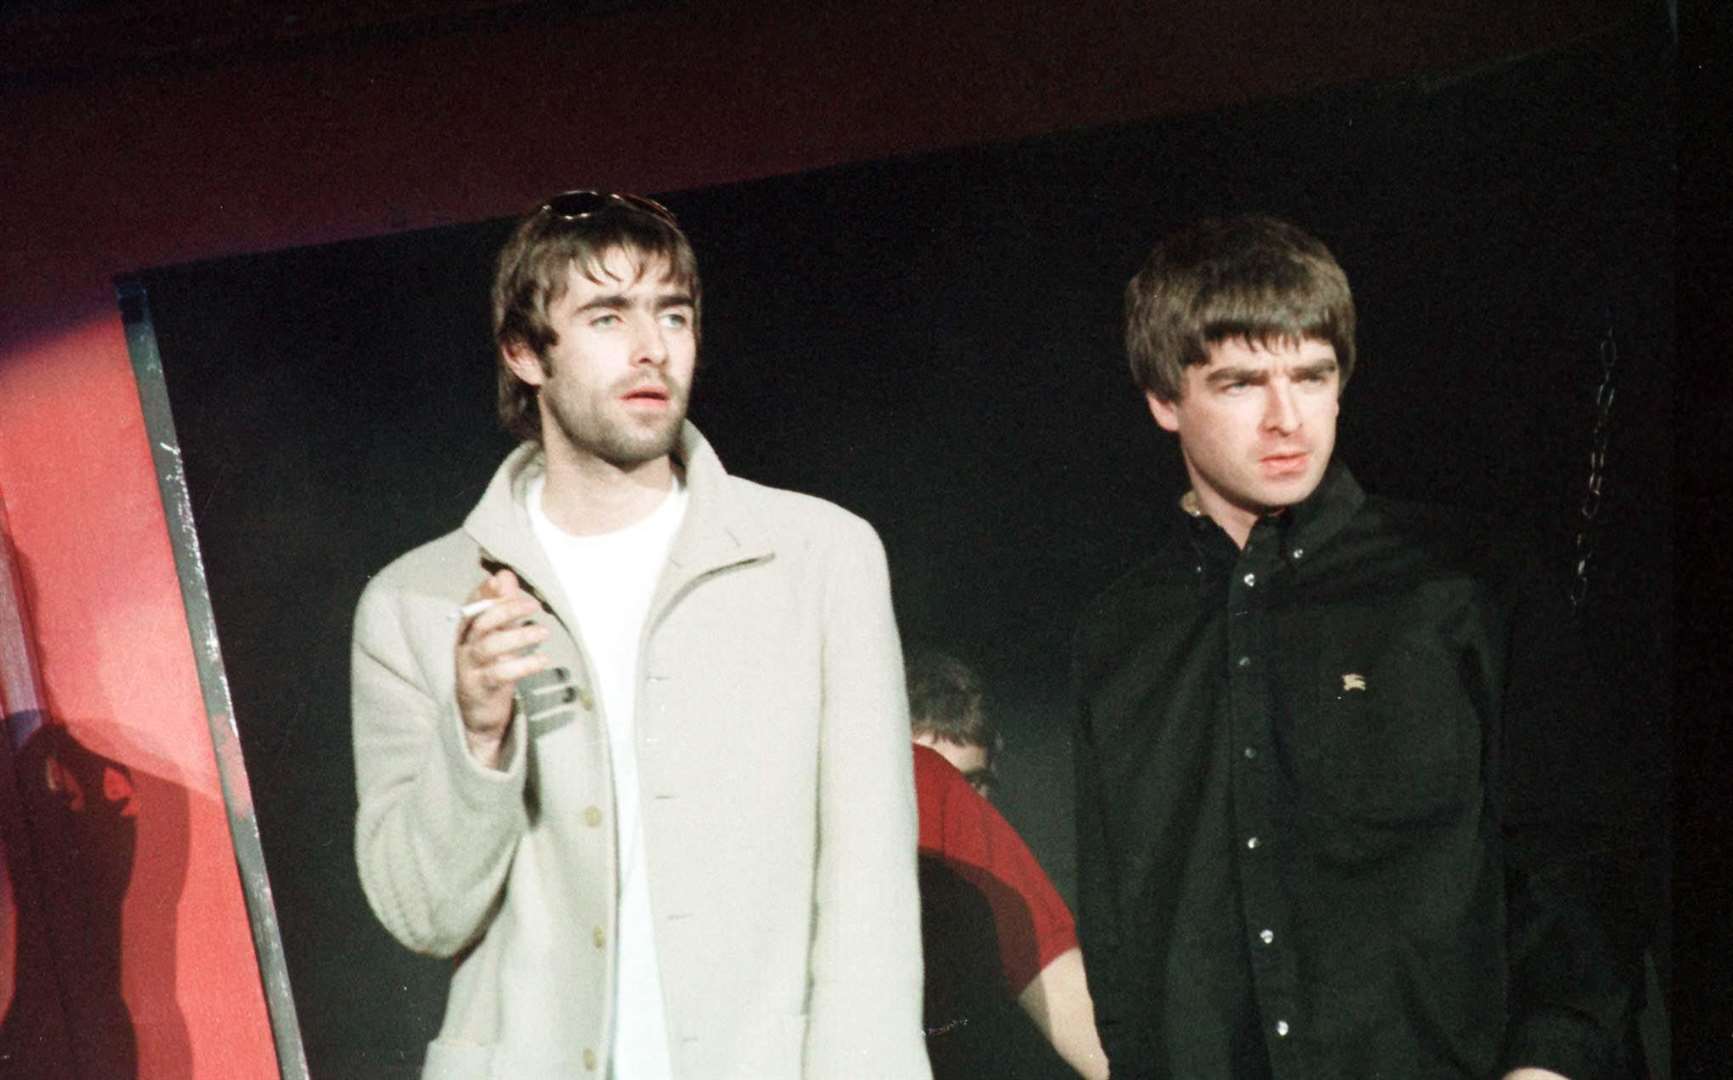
(960,827)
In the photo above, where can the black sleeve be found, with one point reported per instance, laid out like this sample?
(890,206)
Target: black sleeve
(1099,928)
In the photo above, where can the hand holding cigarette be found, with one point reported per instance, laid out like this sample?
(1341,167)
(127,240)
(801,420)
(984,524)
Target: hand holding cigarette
(496,646)
(472,609)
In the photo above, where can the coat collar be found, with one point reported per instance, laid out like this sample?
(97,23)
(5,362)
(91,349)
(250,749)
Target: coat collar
(718,530)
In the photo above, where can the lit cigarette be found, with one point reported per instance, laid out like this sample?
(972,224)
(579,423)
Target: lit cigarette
(473,608)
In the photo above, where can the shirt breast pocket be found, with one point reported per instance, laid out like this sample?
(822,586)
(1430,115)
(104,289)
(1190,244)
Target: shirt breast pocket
(1390,736)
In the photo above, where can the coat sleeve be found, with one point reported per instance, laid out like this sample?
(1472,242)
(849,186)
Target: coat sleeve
(864,1012)
(435,832)
(1575,828)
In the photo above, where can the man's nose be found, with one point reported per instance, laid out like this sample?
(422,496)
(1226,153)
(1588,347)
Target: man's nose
(651,346)
(1280,412)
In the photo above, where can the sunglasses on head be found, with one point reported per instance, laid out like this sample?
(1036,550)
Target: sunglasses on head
(584,204)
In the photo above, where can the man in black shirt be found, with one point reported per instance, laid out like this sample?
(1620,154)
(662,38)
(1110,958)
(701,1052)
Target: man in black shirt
(1334,820)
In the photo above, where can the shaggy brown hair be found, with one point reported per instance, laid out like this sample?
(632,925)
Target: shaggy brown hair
(532,275)
(1253,278)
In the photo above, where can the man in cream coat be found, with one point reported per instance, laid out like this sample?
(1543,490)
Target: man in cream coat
(631,745)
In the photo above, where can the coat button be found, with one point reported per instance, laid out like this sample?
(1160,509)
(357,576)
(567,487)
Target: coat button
(586,699)
(589,1059)
(599,936)
(592,816)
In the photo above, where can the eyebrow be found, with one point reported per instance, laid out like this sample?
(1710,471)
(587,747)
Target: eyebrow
(1317,367)
(620,302)
(1260,376)
(1223,376)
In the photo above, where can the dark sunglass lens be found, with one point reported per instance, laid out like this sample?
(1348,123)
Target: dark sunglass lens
(576,204)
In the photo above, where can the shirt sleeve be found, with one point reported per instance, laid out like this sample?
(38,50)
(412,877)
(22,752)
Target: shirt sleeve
(1031,922)
(1579,912)
(436,830)
(1106,953)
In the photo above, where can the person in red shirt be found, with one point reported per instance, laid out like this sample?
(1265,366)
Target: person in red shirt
(994,927)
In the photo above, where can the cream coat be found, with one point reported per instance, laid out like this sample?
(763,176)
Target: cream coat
(778,803)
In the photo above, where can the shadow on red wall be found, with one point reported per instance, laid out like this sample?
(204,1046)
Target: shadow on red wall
(71,821)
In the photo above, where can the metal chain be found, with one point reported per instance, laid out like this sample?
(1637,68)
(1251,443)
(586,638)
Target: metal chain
(1598,436)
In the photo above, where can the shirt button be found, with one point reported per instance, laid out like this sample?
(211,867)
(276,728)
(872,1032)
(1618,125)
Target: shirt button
(589,1059)
(1244,661)
(1268,937)
(1282,1028)
(599,937)
(1252,843)
(592,816)
(1250,580)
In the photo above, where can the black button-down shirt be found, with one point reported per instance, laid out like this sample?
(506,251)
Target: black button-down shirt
(1331,817)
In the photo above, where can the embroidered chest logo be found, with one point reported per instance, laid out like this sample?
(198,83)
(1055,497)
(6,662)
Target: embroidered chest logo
(1350,681)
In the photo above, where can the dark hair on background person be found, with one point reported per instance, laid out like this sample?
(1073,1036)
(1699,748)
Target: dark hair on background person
(1257,278)
(947,702)
(531,275)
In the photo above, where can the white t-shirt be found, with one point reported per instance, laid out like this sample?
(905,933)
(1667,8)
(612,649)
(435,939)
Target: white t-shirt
(609,580)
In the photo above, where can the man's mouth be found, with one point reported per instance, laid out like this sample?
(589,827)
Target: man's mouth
(648,394)
(1285,464)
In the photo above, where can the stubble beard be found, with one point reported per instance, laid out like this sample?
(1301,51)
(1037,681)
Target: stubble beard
(623,441)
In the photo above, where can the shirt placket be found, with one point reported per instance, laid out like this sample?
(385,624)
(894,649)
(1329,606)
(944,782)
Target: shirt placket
(1256,838)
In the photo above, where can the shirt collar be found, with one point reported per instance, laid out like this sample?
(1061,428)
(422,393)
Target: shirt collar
(1300,530)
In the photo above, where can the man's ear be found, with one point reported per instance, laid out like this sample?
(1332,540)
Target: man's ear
(524,363)
(1166,413)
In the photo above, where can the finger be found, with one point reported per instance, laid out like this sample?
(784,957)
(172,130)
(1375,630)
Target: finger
(486,648)
(504,673)
(506,612)
(499,585)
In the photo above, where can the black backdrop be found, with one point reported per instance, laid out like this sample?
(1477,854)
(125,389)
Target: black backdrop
(933,342)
